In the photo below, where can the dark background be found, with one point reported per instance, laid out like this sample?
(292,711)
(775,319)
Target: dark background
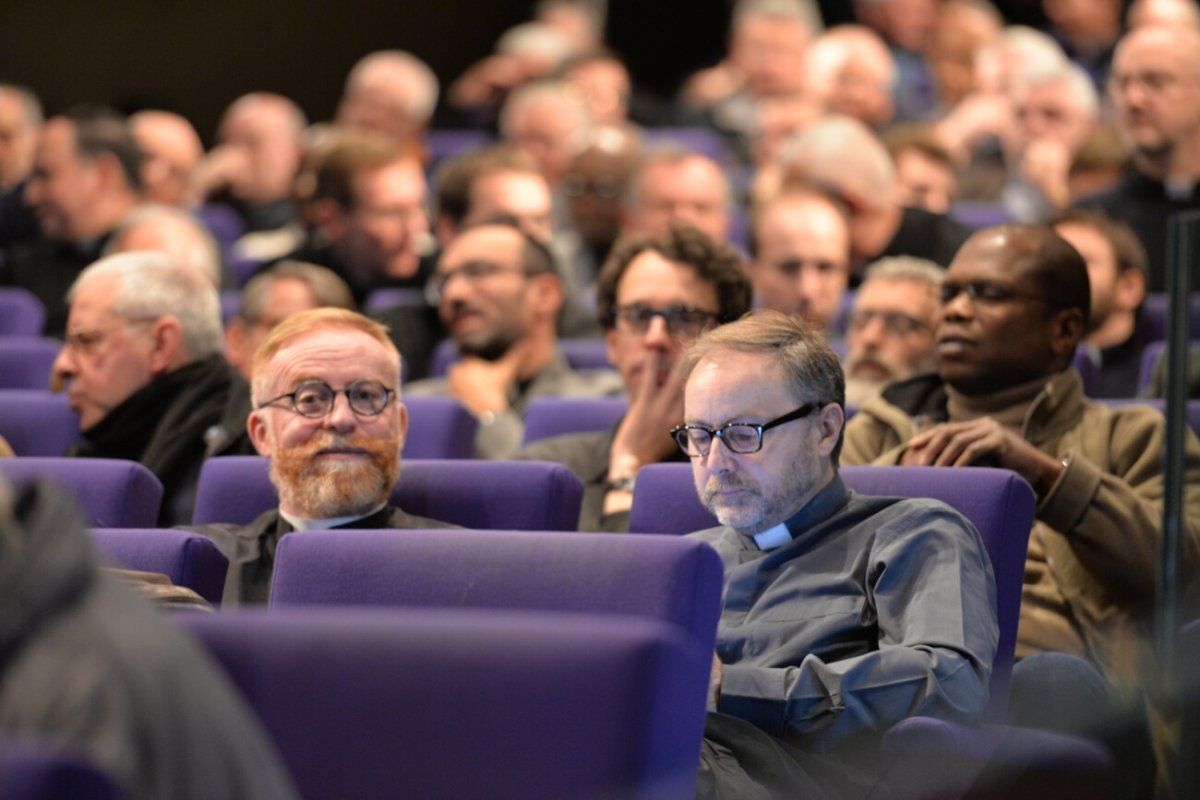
(196,56)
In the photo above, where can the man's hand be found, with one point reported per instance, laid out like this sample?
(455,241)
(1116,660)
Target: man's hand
(1046,165)
(482,386)
(714,684)
(982,442)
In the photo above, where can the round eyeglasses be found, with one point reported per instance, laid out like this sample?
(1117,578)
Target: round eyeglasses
(315,399)
(740,437)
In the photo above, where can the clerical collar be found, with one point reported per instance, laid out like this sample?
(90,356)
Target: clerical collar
(773,537)
(301,524)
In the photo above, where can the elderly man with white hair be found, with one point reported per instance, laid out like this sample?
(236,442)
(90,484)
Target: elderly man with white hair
(142,362)
(391,92)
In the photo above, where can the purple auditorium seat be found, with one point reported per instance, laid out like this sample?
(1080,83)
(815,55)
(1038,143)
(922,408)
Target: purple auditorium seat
(112,493)
(554,416)
(39,770)
(500,495)
(37,422)
(448,703)
(26,361)
(188,559)
(21,313)
(669,578)
(439,427)
(998,502)
(580,354)
(448,143)
(1154,315)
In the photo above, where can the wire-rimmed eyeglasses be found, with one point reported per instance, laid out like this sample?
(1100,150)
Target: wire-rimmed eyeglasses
(315,399)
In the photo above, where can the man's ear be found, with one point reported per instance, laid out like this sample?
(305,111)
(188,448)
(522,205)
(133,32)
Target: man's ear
(256,426)
(830,424)
(546,295)
(1066,330)
(235,345)
(166,345)
(1129,290)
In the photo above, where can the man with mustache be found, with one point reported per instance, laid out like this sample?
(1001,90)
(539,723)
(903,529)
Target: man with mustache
(656,296)
(326,394)
(499,294)
(889,334)
(842,613)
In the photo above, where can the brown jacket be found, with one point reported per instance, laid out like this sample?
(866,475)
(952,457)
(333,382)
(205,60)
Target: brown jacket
(1101,522)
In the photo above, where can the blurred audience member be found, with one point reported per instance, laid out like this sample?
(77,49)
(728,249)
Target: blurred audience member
(674,185)
(389,92)
(850,69)
(925,174)
(171,153)
(20,127)
(550,123)
(170,230)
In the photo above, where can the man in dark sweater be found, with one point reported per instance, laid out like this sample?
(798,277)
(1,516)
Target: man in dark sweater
(142,360)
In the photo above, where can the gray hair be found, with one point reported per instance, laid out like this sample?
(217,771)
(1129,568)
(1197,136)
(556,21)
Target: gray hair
(843,156)
(328,289)
(408,68)
(551,91)
(149,286)
(31,106)
(905,268)
(1082,89)
(187,240)
(805,12)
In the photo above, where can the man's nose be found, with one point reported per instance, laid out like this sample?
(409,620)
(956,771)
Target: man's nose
(341,417)
(658,334)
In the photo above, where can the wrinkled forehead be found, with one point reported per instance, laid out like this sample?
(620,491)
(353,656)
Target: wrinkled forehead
(337,356)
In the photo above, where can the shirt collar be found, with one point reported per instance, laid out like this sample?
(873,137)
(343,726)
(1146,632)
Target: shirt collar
(301,524)
(773,537)
(823,505)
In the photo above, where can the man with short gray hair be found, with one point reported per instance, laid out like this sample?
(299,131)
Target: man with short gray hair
(170,230)
(142,361)
(391,92)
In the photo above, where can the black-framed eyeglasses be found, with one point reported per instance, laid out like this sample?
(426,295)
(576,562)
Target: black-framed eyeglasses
(471,272)
(894,322)
(740,437)
(988,293)
(685,322)
(315,399)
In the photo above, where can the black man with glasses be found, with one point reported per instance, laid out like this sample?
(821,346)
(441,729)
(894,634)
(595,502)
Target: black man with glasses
(656,295)
(842,613)
(1014,304)
(889,332)
(499,293)
(327,413)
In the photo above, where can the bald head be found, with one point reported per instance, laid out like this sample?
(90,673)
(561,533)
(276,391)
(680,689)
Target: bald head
(264,134)
(391,92)
(171,151)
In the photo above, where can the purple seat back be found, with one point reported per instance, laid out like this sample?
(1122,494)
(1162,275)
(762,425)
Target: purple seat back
(670,578)
(998,502)
(554,416)
(21,313)
(501,495)
(26,361)
(447,703)
(448,143)
(37,422)
(188,559)
(439,427)
(1154,315)
(33,770)
(112,493)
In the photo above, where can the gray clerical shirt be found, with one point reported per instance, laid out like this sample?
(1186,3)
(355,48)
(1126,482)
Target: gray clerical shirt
(877,609)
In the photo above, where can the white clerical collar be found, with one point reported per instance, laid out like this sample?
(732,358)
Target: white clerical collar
(301,524)
(773,537)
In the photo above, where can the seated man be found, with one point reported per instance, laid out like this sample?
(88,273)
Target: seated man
(499,294)
(1015,303)
(656,297)
(889,335)
(334,463)
(842,613)
(142,360)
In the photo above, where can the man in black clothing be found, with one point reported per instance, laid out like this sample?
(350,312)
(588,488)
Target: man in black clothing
(142,360)
(1155,87)
(334,460)
(85,179)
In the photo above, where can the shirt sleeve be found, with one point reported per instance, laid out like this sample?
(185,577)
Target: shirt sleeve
(930,584)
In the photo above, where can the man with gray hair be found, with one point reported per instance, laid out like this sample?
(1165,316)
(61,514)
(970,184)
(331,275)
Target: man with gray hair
(550,123)
(142,361)
(841,613)
(889,334)
(674,185)
(170,230)
(391,92)
(843,157)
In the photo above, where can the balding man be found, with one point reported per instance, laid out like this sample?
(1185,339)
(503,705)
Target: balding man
(801,256)
(1155,87)
(261,141)
(851,70)
(171,152)
(678,186)
(390,92)
(843,157)
(549,122)
(86,178)
(170,230)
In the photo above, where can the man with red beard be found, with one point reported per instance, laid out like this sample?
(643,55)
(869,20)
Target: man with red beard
(889,335)
(656,296)
(326,393)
